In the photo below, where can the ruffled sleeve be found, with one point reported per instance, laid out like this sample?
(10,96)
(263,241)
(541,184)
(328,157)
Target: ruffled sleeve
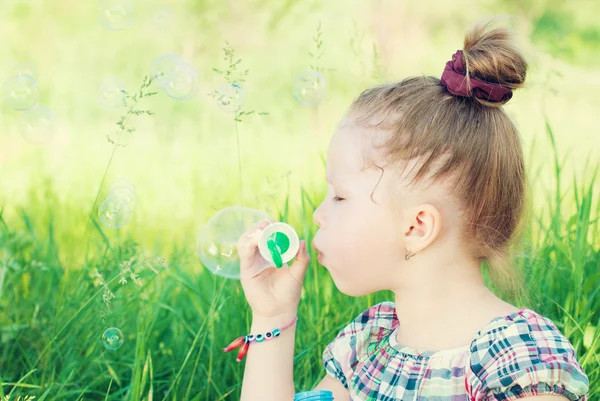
(525,357)
(349,348)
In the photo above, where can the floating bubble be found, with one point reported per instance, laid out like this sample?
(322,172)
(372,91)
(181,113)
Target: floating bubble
(113,214)
(176,77)
(164,67)
(113,338)
(38,124)
(230,97)
(20,92)
(27,69)
(118,207)
(161,14)
(116,14)
(110,92)
(217,243)
(124,195)
(182,84)
(309,88)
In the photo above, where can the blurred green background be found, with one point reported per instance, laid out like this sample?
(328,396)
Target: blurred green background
(183,162)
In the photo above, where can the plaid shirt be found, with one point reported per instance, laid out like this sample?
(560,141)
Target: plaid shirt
(516,355)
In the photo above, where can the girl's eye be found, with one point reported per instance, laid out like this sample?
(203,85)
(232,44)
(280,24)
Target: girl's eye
(337,199)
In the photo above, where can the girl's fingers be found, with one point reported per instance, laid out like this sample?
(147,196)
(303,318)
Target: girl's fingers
(248,243)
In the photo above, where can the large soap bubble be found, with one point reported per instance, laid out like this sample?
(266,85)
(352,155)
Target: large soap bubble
(217,243)
(309,88)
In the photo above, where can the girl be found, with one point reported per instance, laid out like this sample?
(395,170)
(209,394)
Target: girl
(426,181)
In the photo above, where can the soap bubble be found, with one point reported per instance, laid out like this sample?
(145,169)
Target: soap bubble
(161,14)
(110,92)
(118,207)
(27,69)
(114,214)
(20,92)
(112,338)
(163,68)
(124,195)
(38,124)
(230,97)
(116,14)
(182,84)
(309,88)
(217,243)
(177,78)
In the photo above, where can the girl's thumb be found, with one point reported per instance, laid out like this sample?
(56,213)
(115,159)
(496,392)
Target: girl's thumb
(300,265)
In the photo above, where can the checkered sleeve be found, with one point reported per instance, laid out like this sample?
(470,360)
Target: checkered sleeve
(341,355)
(525,358)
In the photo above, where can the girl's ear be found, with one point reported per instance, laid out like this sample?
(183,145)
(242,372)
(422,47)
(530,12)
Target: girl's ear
(422,227)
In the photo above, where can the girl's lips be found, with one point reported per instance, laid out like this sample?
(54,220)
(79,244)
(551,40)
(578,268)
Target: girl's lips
(320,257)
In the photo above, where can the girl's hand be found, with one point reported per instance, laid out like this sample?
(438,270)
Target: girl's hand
(272,292)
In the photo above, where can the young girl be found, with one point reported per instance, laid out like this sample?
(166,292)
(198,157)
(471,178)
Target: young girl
(426,181)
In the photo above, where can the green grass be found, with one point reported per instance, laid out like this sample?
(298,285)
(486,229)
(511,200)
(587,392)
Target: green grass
(184,164)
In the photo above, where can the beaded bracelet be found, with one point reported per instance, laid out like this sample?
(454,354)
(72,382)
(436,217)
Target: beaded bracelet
(245,341)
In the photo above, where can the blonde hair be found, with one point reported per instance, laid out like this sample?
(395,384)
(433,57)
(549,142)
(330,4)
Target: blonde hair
(480,144)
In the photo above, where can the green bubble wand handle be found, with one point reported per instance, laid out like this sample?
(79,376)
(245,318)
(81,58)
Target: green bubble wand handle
(279,243)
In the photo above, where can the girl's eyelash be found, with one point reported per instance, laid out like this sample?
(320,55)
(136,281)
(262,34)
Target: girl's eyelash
(337,199)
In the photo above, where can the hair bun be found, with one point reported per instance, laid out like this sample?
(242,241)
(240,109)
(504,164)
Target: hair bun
(491,55)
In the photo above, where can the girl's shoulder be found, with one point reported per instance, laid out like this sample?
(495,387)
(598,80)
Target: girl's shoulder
(381,315)
(524,353)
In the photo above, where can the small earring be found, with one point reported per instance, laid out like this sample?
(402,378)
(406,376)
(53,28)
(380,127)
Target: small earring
(409,255)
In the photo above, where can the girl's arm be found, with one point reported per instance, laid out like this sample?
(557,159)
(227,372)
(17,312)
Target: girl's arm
(340,393)
(269,373)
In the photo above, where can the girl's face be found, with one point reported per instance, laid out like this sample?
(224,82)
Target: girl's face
(358,239)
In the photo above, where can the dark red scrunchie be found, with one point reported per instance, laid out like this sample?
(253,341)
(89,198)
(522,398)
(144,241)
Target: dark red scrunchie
(454,79)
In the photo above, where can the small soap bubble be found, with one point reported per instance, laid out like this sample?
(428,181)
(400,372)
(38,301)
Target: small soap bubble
(27,69)
(114,214)
(309,88)
(183,83)
(20,92)
(38,124)
(118,207)
(161,14)
(116,14)
(230,97)
(176,77)
(113,338)
(163,68)
(110,92)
